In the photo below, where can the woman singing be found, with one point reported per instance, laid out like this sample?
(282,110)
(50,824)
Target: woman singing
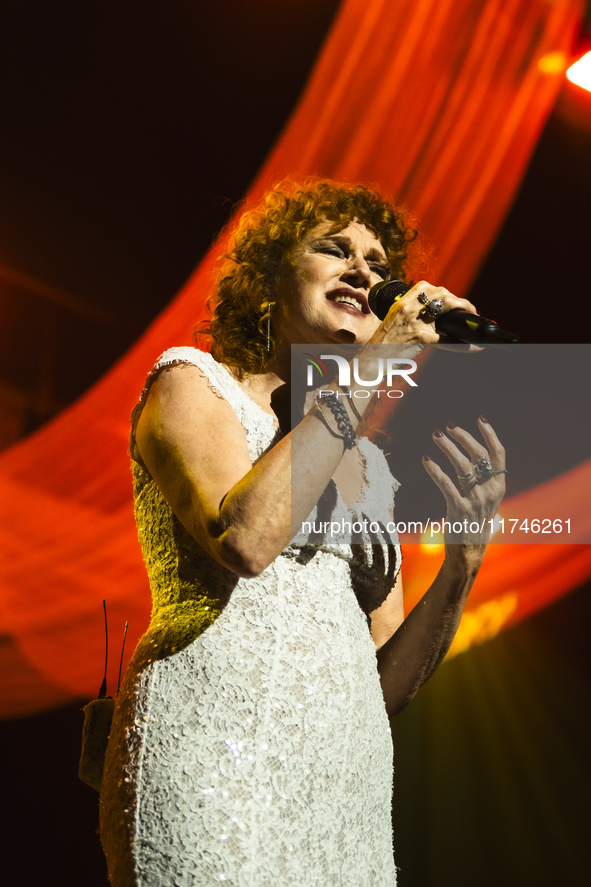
(250,743)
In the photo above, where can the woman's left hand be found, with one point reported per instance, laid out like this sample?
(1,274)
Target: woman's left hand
(418,645)
(481,481)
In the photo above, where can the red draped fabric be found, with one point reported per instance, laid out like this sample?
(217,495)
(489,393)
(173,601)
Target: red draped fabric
(437,101)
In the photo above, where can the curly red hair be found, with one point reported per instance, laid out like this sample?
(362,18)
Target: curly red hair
(260,255)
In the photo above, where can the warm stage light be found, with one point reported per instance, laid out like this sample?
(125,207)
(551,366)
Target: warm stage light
(484,622)
(552,63)
(580,72)
(431,543)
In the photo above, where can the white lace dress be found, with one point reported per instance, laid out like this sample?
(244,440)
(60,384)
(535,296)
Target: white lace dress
(250,743)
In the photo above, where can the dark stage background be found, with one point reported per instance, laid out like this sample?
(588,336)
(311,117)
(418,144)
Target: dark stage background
(129,132)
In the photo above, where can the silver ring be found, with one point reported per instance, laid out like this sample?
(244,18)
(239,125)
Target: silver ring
(467,481)
(432,309)
(484,470)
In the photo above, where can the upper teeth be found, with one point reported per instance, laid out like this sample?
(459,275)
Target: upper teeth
(351,300)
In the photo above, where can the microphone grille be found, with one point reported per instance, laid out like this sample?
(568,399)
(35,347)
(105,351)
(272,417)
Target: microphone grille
(383,294)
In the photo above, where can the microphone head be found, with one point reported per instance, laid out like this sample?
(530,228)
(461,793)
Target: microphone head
(383,295)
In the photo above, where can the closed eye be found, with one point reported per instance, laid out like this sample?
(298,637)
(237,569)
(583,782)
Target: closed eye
(381,270)
(332,249)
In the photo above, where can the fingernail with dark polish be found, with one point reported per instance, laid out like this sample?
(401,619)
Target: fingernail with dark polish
(437,433)
(426,458)
(482,419)
(451,425)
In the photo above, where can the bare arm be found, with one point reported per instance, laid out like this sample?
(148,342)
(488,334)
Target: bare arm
(420,642)
(194,446)
(409,651)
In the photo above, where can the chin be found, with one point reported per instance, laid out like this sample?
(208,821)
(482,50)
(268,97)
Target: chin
(348,337)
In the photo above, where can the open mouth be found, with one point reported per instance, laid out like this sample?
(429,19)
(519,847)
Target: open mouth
(349,300)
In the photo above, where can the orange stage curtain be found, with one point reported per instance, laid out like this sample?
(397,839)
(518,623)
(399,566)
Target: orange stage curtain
(437,101)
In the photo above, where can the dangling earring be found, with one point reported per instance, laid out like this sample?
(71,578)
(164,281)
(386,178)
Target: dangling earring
(267,306)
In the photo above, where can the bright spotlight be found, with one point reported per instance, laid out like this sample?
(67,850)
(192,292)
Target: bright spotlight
(580,72)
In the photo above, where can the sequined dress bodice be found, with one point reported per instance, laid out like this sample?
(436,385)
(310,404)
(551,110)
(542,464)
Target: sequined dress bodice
(250,743)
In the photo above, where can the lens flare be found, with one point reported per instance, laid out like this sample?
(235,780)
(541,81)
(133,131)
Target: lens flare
(580,72)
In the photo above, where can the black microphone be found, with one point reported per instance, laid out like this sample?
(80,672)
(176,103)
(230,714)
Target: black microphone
(457,324)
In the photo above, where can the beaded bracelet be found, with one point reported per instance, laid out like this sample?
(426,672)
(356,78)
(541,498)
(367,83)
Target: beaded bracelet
(344,430)
(347,393)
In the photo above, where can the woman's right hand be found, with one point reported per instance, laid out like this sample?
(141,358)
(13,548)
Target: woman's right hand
(408,321)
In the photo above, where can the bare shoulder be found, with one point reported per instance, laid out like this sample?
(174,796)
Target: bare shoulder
(182,409)
(192,443)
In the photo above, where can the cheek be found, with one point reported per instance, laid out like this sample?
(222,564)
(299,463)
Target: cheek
(308,292)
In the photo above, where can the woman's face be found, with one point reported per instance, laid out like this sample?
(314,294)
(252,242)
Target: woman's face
(324,298)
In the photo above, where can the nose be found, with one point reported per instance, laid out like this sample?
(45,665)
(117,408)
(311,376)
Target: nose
(358,271)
